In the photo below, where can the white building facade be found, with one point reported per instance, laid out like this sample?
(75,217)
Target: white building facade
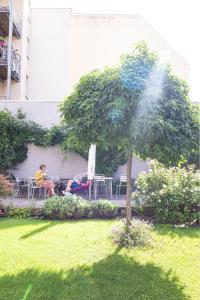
(57,47)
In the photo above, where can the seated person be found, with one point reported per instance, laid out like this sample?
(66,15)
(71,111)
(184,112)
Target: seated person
(76,185)
(41,180)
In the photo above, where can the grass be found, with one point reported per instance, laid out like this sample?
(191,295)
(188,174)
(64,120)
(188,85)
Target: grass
(55,260)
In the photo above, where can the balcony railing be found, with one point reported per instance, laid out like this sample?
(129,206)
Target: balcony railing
(15,63)
(4,19)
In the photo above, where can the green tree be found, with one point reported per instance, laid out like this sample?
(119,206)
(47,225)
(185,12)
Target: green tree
(138,106)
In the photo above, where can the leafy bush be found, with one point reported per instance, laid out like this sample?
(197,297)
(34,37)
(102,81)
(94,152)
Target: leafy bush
(173,193)
(5,186)
(67,207)
(73,206)
(137,234)
(19,212)
(104,209)
(70,206)
(23,213)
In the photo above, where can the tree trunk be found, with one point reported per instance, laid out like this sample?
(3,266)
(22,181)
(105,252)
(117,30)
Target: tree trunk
(129,190)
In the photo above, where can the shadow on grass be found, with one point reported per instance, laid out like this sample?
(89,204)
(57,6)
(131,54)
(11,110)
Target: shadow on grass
(8,222)
(173,232)
(38,230)
(114,278)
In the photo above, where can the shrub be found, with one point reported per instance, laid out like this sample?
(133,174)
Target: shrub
(6,187)
(70,206)
(104,209)
(73,206)
(173,193)
(137,234)
(19,212)
(23,213)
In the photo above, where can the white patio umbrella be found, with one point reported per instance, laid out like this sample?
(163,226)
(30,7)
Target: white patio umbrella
(91,165)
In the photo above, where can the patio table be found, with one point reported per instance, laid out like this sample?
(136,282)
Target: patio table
(108,182)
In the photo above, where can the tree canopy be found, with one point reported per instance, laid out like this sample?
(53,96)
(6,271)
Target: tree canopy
(139,104)
(137,107)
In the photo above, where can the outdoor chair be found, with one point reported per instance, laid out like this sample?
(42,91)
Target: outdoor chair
(122,183)
(42,191)
(15,188)
(20,185)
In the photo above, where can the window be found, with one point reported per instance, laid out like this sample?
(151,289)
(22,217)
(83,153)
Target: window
(26,87)
(28,48)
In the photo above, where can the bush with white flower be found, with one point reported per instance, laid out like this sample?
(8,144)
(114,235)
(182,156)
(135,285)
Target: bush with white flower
(173,193)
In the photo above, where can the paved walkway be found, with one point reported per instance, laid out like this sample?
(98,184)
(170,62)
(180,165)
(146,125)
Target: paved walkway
(38,203)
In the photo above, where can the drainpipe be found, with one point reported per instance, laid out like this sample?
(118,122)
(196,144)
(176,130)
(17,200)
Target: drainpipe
(9,54)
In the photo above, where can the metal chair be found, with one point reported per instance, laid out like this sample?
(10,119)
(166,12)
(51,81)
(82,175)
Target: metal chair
(122,183)
(20,184)
(42,191)
(15,188)
(99,181)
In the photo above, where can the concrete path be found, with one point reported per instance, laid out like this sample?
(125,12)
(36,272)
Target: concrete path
(38,203)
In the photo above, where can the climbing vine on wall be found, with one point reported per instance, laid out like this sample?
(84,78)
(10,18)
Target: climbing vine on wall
(15,134)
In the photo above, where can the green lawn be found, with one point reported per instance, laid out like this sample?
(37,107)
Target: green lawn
(56,260)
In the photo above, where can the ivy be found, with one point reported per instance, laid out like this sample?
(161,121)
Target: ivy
(15,134)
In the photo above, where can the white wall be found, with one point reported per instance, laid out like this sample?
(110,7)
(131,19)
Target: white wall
(100,40)
(49,54)
(138,166)
(64,165)
(65,46)
(45,113)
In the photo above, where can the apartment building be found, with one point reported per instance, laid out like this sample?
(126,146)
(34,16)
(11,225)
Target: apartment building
(15,29)
(53,48)
(46,51)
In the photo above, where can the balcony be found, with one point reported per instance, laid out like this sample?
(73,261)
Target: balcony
(15,66)
(4,20)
